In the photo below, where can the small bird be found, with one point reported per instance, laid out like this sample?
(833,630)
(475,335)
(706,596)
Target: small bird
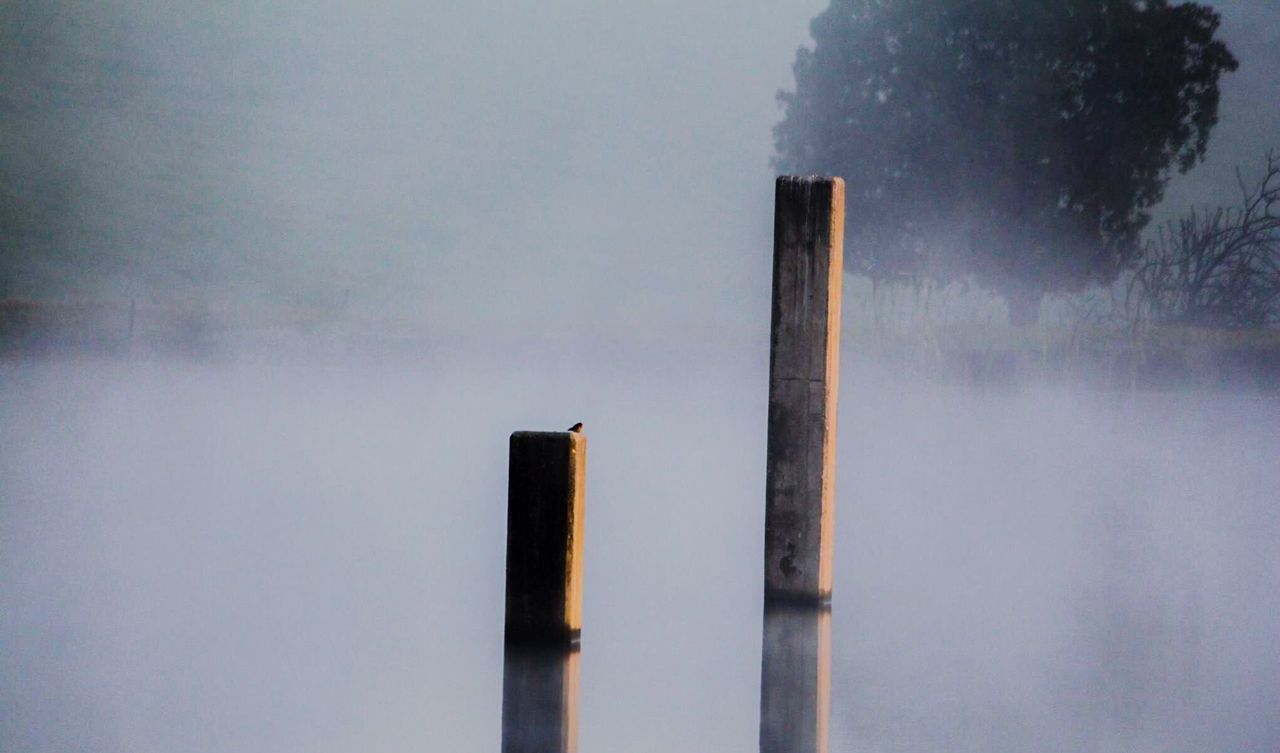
(576,428)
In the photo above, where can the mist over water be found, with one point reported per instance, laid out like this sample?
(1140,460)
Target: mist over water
(309,556)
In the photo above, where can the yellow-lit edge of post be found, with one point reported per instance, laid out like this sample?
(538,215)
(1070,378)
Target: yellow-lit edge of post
(573,555)
(835,282)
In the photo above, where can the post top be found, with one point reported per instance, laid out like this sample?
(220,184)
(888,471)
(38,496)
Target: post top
(811,179)
(532,441)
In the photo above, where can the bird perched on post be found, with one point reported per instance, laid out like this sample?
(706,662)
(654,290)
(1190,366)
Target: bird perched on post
(576,428)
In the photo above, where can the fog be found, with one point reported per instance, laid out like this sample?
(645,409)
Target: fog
(464,167)
(468,166)
(277,546)
(268,557)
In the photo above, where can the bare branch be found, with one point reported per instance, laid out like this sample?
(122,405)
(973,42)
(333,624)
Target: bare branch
(1218,267)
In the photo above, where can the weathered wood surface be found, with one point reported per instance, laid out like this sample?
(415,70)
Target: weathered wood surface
(539,700)
(795,680)
(545,500)
(804,376)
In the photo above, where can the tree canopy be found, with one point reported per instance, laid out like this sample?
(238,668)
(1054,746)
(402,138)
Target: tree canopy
(1019,143)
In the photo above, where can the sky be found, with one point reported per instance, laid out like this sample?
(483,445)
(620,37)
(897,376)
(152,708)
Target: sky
(1249,112)
(580,170)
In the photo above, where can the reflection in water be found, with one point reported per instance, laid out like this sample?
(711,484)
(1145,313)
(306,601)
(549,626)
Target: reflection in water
(539,700)
(795,682)
(1139,631)
(1039,572)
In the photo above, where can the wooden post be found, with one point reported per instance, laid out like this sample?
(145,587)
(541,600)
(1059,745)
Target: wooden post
(546,484)
(795,679)
(804,377)
(539,700)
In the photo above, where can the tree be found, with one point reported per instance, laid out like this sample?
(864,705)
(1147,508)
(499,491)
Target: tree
(1015,142)
(1217,267)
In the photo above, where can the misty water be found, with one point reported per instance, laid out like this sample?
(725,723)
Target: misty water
(255,555)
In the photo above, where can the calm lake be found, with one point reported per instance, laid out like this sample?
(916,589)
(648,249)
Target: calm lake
(249,555)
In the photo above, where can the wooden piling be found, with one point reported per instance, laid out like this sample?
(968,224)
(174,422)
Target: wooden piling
(539,700)
(804,377)
(546,485)
(795,679)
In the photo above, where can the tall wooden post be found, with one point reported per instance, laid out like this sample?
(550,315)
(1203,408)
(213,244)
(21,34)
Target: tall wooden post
(546,487)
(804,377)
(795,679)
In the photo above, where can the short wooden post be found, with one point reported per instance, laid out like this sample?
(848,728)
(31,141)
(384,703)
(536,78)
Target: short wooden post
(546,484)
(795,679)
(539,700)
(804,377)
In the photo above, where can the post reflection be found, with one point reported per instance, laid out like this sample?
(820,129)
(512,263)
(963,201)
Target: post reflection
(539,700)
(795,682)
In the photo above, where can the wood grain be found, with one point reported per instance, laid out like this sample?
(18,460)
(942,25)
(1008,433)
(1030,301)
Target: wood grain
(804,377)
(545,500)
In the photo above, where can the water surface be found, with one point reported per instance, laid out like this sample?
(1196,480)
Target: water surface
(307,556)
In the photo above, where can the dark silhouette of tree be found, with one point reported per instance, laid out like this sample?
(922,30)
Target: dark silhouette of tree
(1015,142)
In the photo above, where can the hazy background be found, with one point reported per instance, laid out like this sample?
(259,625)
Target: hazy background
(478,169)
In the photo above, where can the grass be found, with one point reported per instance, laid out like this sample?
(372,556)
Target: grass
(973,346)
